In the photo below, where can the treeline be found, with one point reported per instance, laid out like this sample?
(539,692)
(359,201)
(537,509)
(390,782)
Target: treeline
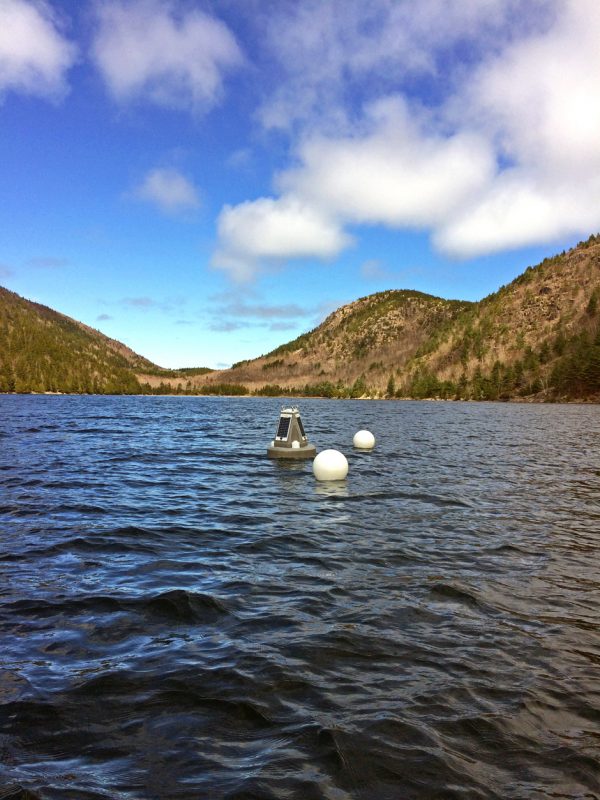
(178,373)
(190,389)
(577,373)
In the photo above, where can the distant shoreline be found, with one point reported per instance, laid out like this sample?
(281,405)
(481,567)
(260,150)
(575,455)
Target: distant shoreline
(515,400)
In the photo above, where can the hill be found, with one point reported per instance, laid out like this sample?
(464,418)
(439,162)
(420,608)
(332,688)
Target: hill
(355,348)
(537,337)
(43,350)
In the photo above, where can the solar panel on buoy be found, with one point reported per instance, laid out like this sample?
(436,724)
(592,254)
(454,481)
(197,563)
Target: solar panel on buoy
(283,429)
(290,440)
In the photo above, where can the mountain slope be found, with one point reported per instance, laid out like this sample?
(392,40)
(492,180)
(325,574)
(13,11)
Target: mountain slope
(537,336)
(43,350)
(359,339)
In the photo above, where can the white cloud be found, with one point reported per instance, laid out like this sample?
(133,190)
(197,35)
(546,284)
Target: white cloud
(271,230)
(34,54)
(158,51)
(396,174)
(507,154)
(517,211)
(393,174)
(539,103)
(540,97)
(326,52)
(168,189)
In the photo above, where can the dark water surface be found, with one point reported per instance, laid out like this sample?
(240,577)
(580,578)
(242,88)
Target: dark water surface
(181,617)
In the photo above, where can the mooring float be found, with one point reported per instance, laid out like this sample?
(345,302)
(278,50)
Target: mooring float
(330,465)
(363,440)
(290,440)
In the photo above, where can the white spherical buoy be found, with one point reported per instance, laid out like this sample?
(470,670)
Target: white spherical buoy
(364,440)
(330,465)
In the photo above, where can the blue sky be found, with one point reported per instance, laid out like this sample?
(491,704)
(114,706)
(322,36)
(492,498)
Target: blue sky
(206,180)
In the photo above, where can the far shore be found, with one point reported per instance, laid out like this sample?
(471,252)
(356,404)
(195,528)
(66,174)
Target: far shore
(528,400)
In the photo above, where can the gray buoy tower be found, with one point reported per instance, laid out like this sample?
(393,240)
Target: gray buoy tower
(290,440)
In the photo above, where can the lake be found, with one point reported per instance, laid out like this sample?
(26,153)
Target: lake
(182,617)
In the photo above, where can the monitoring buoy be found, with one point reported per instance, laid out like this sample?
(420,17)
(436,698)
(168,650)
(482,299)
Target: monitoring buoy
(290,440)
(364,440)
(330,465)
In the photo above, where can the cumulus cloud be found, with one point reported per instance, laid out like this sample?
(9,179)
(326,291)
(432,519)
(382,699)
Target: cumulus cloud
(324,52)
(169,190)
(521,209)
(271,230)
(539,98)
(505,154)
(539,103)
(34,54)
(396,173)
(164,53)
(393,174)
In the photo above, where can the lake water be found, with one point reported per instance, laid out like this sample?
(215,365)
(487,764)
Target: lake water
(181,617)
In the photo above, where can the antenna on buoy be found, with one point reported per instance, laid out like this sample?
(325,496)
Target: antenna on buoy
(290,440)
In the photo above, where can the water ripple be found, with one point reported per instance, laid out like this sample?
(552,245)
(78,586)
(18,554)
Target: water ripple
(181,617)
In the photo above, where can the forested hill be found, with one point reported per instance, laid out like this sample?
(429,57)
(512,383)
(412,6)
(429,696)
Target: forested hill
(538,337)
(357,348)
(42,350)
